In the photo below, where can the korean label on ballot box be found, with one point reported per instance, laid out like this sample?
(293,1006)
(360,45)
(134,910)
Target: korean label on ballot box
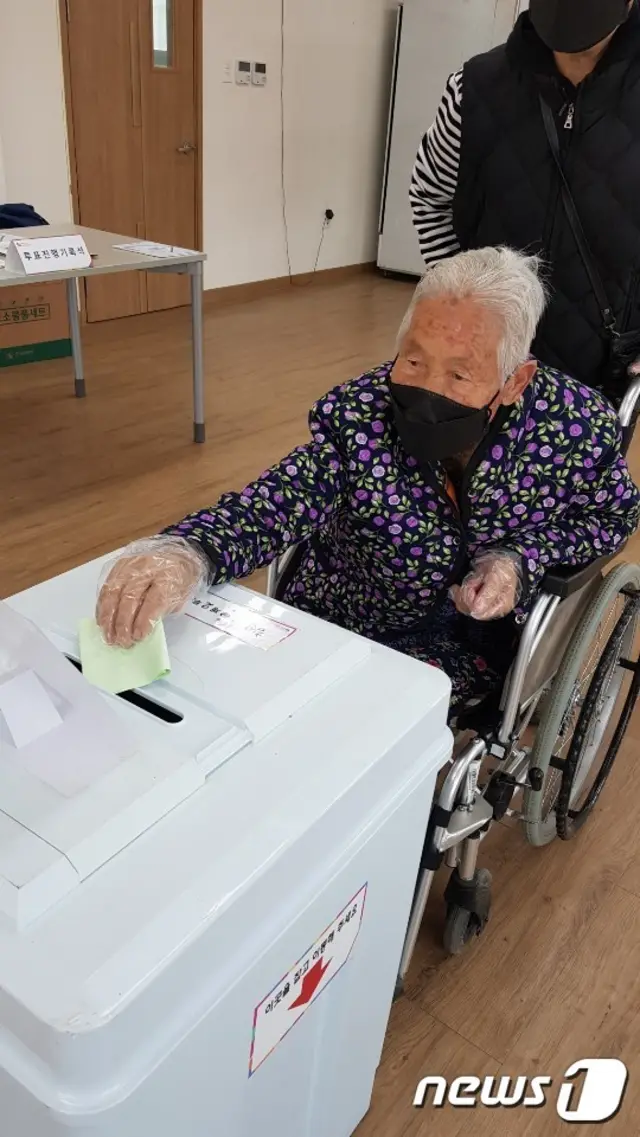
(31,255)
(285,1005)
(244,624)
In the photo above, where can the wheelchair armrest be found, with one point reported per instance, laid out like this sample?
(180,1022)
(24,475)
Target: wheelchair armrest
(566,580)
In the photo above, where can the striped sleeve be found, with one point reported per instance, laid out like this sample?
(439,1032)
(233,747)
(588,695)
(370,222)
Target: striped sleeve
(435,177)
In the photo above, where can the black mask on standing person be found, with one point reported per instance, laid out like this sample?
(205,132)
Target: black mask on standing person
(572,26)
(432,427)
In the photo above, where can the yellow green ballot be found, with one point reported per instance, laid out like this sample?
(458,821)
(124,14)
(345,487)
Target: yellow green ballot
(117,669)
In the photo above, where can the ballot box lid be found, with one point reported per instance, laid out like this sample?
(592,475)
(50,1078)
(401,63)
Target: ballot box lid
(240,666)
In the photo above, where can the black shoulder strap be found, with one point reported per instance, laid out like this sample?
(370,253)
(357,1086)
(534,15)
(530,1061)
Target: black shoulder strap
(573,218)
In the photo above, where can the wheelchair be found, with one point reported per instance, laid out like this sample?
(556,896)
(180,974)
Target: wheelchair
(542,749)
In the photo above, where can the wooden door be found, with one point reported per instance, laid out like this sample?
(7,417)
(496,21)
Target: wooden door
(104,93)
(169,136)
(133,102)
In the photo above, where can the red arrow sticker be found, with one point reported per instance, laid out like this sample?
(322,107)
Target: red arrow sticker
(310,984)
(285,1005)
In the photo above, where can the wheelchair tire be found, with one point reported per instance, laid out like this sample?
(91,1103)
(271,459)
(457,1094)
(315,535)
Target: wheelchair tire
(569,713)
(462,925)
(569,819)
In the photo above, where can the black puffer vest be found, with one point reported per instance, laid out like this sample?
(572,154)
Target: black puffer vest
(508,188)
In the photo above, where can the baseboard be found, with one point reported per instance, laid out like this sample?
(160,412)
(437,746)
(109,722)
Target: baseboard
(255,290)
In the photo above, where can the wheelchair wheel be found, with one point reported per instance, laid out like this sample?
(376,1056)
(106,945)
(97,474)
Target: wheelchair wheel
(587,711)
(464,923)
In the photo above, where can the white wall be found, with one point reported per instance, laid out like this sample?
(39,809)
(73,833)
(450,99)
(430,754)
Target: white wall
(3,182)
(32,110)
(337,81)
(337,77)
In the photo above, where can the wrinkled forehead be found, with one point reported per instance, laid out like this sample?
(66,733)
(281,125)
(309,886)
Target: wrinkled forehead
(460,325)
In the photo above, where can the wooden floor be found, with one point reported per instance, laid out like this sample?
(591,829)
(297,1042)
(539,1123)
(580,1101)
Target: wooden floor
(556,977)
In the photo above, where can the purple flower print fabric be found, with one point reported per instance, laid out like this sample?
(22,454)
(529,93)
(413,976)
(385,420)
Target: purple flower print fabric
(380,542)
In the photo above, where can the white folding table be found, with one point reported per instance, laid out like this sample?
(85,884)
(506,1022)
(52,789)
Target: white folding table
(108,259)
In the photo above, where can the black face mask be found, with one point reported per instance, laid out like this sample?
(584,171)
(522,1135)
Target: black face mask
(571,26)
(433,428)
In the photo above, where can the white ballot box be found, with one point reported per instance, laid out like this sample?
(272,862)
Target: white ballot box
(205,886)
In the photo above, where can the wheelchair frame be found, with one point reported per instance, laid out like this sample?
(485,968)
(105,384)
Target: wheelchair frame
(461,815)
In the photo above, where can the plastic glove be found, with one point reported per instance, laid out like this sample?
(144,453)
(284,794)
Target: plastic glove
(492,588)
(150,580)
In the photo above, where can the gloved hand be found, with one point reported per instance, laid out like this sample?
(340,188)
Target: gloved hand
(150,580)
(492,588)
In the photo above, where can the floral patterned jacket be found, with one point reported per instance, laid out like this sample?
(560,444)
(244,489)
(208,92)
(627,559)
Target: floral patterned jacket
(381,540)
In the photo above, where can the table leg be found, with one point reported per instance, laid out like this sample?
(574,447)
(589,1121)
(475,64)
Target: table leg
(195,271)
(76,340)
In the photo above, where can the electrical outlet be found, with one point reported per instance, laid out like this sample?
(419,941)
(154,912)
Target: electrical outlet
(259,74)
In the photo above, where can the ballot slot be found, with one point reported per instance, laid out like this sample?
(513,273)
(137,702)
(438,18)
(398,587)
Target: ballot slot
(142,702)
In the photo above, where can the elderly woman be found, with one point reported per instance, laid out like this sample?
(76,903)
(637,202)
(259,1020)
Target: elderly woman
(432,497)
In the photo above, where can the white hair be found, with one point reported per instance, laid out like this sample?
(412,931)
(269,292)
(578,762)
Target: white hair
(505,282)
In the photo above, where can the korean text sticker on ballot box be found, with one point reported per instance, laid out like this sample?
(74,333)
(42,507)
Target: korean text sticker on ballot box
(283,1007)
(204,936)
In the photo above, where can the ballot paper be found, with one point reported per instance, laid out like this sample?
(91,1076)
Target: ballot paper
(27,708)
(117,669)
(151,249)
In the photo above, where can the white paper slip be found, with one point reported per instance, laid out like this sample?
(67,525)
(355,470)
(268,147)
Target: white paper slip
(151,249)
(242,624)
(5,241)
(27,708)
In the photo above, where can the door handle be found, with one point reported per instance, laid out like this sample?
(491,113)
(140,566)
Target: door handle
(187,148)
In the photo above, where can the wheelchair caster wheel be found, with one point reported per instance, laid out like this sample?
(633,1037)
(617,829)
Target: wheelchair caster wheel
(468,917)
(399,991)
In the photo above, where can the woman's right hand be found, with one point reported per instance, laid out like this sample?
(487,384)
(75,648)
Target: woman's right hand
(151,580)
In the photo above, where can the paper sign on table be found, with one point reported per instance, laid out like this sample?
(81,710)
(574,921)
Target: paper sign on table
(27,708)
(152,249)
(243,624)
(31,255)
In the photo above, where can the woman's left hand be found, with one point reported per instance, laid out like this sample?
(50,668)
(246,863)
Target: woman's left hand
(492,589)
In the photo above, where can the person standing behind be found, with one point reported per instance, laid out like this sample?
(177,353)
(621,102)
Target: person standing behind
(485,174)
